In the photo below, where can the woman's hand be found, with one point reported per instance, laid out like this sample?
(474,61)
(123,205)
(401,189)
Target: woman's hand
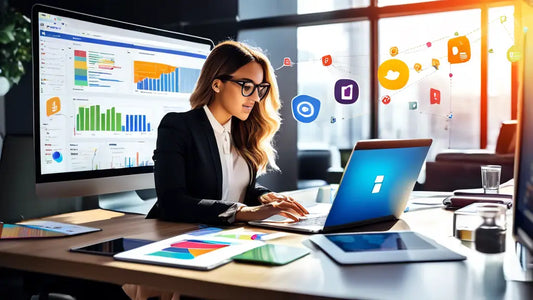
(273,204)
(275,197)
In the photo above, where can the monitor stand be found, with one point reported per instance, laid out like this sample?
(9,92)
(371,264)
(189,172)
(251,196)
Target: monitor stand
(127,202)
(519,265)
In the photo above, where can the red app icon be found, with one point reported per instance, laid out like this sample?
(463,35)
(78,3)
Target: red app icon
(386,99)
(287,61)
(434,96)
(326,60)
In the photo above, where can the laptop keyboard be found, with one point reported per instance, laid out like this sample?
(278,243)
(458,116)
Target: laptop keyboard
(318,220)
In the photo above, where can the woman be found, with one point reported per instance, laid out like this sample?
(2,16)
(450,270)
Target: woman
(207,159)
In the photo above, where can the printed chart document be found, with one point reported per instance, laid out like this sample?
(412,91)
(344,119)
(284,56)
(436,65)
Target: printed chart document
(203,252)
(41,229)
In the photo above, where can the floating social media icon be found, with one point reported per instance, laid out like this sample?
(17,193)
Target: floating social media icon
(326,60)
(53,106)
(503,19)
(428,44)
(413,105)
(514,54)
(332,120)
(418,67)
(434,96)
(386,99)
(458,50)
(435,63)
(346,91)
(393,74)
(393,51)
(305,108)
(57,156)
(287,62)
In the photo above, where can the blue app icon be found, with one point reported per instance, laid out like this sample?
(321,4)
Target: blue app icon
(305,108)
(346,91)
(57,156)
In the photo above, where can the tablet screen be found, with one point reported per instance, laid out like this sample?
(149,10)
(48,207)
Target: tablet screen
(388,241)
(112,247)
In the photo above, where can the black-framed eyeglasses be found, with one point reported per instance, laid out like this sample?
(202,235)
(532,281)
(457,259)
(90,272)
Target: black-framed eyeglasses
(248,87)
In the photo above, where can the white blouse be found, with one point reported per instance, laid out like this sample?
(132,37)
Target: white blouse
(235,173)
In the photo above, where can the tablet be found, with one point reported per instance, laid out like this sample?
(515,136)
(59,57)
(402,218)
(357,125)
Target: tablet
(112,247)
(382,247)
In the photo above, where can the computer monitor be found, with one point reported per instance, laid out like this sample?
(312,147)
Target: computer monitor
(100,89)
(523,209)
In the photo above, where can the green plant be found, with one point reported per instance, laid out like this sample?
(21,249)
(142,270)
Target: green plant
(15,43)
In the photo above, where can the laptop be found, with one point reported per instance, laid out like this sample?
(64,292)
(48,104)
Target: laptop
(375,186)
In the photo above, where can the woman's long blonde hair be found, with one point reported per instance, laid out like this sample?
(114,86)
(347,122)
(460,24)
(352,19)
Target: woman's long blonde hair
(253,138)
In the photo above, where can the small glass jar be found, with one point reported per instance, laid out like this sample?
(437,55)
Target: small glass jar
(490,235)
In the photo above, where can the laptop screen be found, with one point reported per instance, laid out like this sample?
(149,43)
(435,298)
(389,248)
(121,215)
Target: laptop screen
(376,184)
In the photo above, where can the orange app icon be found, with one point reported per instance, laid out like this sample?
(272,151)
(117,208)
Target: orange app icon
(393,74)
(458,50)
(435,63)
(418,67)
(326,60)
(393,51)
(53,106)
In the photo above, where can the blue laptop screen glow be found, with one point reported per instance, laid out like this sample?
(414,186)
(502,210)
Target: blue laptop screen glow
(374,183)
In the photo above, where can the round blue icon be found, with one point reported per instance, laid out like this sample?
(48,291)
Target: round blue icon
(57,156)
(305,108)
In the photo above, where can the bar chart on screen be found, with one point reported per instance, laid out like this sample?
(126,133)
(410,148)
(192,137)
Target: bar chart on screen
(152,76)
(99,119)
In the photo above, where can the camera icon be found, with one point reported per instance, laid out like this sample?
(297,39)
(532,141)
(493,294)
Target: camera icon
(305,108)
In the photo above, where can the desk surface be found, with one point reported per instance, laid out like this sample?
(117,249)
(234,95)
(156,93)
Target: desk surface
(314,275)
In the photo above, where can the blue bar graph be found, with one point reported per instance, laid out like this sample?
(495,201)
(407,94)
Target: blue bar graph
(182,80)
(136,123)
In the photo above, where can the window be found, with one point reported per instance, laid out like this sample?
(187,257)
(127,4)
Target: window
(501,39)
(399,2)
(346,45)
(313,6)
(444,102)
(254,9)
(441,101)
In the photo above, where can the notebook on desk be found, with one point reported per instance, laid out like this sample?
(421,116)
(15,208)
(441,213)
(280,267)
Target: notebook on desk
(375,186)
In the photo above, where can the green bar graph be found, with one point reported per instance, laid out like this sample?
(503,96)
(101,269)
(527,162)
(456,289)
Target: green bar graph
(93,118)
(81,114)
(87,118)
(97,118)
(107,119)
(118,122)
(112,119)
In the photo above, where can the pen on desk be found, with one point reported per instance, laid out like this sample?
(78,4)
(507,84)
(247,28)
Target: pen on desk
(407,209)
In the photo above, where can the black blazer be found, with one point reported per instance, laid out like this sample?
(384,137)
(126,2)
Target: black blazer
(188,170)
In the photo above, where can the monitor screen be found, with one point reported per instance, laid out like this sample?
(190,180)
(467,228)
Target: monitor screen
(523,213)
(101,88)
